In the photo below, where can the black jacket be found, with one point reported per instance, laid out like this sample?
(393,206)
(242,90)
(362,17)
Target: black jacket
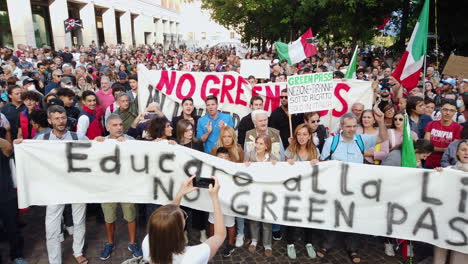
(245,125)
(322,136)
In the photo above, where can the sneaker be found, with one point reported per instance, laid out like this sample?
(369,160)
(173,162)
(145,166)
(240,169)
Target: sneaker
(70,230)
(389,251)
(291,251)
(268,252)
(20,261)
(311,251)
(239,240)
(253,246)
(228,250)
(135,249)
(277,235)
(106,251)
(203,236)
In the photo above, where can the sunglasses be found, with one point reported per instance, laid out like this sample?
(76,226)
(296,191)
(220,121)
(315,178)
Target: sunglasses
(398,119)
(283,97)
(314,121)
(59,76)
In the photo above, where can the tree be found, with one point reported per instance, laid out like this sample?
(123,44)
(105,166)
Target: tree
(266,21)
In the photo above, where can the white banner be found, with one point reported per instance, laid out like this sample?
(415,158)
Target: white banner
(414,204)
(260,69)
(168,88)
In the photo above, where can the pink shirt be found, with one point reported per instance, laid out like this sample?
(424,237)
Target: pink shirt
(105,99)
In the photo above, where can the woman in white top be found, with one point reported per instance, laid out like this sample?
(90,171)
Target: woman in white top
(165,242)
(440,254)
(302,148)
(261,153)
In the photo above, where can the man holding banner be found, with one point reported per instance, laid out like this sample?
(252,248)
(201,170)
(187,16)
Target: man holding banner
(57,117)
(348,146)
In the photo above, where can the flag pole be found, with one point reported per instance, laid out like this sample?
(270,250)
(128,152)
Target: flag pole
(424,77)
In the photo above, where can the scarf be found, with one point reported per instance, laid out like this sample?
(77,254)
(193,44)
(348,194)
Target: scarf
(127,118)
(461,166)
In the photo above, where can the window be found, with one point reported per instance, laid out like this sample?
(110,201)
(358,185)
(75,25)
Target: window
(203,35)
(191,36)
(232,35)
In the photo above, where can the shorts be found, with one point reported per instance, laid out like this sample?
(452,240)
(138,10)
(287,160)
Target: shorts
(229,221)
(110,212)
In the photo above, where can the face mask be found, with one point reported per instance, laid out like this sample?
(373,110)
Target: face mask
(32,88)
(459,103)
(69,86)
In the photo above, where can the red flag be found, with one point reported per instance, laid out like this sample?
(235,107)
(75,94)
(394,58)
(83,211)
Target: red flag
(385,22)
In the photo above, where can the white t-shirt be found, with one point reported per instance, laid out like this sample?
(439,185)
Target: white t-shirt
(199,254)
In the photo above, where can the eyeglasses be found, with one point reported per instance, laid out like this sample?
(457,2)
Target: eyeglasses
(398,119)
(314,121)
(448,110)
(284,97)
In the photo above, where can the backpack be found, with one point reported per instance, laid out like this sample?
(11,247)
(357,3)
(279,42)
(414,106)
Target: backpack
(73,135)
(336,140)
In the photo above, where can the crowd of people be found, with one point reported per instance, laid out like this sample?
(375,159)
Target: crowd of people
(91,93)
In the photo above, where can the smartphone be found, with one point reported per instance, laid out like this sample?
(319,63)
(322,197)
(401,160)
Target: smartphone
(202,182)
(150,115)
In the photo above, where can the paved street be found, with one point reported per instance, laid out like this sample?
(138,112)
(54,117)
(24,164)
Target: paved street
(35,249)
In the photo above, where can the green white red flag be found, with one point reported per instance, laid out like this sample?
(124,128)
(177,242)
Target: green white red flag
(408,70)
(298,50)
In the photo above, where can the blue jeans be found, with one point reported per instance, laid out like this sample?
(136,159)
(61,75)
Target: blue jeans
(276,228)
(240,225)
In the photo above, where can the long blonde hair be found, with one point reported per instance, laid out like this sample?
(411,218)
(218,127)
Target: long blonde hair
(234,148)
(294,147)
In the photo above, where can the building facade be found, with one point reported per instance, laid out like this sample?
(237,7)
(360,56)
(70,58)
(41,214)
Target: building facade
(199,30)
(41,22)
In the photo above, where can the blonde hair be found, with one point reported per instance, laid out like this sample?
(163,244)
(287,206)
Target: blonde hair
(234,148)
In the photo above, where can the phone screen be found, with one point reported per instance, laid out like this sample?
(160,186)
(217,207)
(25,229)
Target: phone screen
(202,182)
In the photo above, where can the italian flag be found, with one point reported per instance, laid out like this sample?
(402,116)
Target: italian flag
(351,71)
(298,50)
(408,158)
(408,69)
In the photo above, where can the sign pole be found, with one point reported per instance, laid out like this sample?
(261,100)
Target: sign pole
(290,126)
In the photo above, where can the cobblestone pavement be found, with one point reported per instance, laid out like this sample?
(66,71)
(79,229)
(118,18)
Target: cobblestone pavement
(35,248)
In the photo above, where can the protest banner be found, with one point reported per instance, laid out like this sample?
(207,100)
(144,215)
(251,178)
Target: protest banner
(310,92)
(406,203)
(260,69)
(168,88)
(456,66)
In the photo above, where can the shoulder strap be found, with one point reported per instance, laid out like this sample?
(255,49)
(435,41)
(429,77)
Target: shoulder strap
(360,143)
(458,116)
(334,145)
(112,108)
(47,136)
(74,135)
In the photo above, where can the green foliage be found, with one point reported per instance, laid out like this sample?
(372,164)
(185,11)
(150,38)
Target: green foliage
(271,20)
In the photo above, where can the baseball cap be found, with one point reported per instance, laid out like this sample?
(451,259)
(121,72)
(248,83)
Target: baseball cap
(122,75)
(66,79)
(55,101)
(28,80)
(450,81)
